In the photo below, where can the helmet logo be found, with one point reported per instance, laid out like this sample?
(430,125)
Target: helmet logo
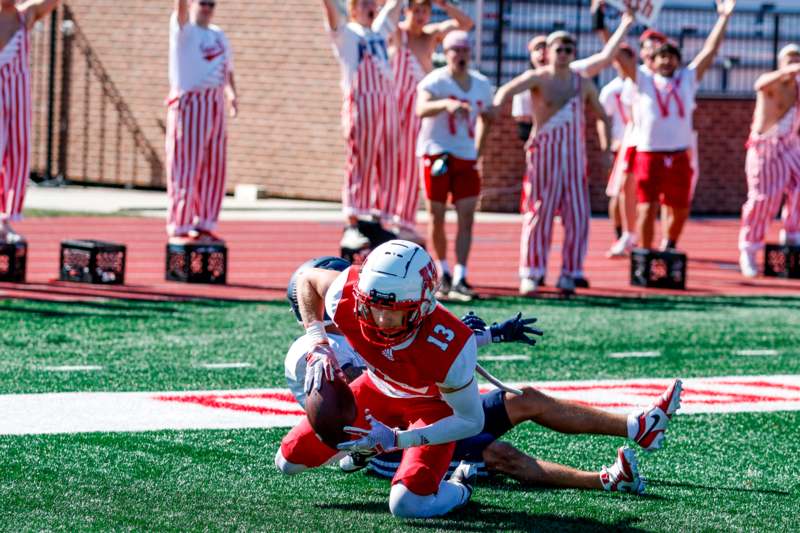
(429,275)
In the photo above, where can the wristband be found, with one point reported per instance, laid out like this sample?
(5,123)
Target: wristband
(316,333)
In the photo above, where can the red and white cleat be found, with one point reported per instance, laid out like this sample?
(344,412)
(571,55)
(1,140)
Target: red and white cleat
(623,475)
(647,427)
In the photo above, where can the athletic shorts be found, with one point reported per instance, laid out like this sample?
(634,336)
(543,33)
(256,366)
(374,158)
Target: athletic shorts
(664,177)
(496,424)
(460,180)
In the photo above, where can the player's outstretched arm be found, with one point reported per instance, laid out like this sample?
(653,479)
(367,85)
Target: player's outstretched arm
(596,63)
(458,20)
(34,10)
(783,75)
(705,58)
(524,82)
(312,287)
(515,329)
(332,15)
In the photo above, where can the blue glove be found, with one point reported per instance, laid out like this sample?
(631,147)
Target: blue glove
(474,322)
(514,330)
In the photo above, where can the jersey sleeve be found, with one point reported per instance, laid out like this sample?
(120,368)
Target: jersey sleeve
(334,294)
(462,371)
(606,99)
(691,78)
(176,31)
(430,84)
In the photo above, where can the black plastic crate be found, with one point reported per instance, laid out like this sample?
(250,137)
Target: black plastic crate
(662,270)
(782,261)
(197,263)
(90,261)
(13,260)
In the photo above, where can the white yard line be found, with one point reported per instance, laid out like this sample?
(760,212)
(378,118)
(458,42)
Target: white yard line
(625,355)
(223,366)
(756,353)
(504,358)
(72,368)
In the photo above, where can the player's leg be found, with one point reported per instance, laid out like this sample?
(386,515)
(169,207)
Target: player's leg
(387,170)
(575,214)
(16,153)
(541,190)
(623,475)
(6,190)
(211,186)
(677,196)
(466,186)
(409,178)
(790,234)
(646,172)
(183,162)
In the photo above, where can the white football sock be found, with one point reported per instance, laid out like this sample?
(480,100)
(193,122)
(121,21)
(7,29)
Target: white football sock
(459,274)
(633,424)
(405,504)
(444,268)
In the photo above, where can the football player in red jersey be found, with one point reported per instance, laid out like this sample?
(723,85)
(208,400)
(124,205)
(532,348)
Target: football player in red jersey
(420,375)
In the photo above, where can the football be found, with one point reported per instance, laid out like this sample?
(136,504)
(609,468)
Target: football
(330,409)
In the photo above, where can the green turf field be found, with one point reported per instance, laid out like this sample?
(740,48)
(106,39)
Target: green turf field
(717,472)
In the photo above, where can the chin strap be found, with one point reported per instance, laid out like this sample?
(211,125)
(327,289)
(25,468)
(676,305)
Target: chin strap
(496,382)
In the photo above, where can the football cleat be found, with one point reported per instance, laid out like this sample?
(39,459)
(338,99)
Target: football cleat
(465,474)
(462,292)
(566,284)
(353,239)
(528,287)
(623,475)
(355,461)
(748,264)
(652,422)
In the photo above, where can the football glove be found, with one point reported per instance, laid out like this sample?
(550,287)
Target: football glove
(321,364)
(378,438)
(515,330)
(474,322)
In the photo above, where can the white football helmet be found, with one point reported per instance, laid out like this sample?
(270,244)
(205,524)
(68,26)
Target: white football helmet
(398,276)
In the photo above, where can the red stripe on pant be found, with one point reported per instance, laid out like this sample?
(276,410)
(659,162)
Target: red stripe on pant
(555,180)
(196,145)
(15,126)
(772,168)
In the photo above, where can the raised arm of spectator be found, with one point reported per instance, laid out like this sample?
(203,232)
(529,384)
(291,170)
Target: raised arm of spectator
(705,58)
(458,20)
(783,75)
(34,10)
(332,15)
(595,64)
(524,82)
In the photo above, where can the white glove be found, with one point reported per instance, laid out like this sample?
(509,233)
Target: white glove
(379,438)
(321,364)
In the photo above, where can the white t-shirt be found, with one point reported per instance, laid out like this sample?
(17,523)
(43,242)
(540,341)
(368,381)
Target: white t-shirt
(352,41)
(522,103)
(615,108)
(295,362)
(662,110)
(199,58)
(447,133)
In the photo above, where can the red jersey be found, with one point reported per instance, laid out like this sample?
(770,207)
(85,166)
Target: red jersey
(415,367)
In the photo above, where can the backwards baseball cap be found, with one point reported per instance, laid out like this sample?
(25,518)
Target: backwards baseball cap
(668,47)
(789,49)
(652,35)
(560,35)
(456,39)
(536,41)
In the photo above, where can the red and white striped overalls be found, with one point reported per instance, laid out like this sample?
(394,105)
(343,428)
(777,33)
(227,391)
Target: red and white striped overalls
(370,123)
(407,74)
(772,167)
(15,123)
(556,180)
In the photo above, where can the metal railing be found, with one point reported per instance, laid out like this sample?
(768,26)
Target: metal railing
(82,128)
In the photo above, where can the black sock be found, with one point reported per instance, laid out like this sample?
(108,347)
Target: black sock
(618,231)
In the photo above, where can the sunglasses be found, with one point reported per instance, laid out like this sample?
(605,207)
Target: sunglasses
(209,5)
(565,50)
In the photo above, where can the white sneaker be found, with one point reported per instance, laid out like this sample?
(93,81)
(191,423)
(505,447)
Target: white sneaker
(528,286)
(355,461)
(623,246)
(623,475)
(653,421)
(353,239)
(748,264)
(791,238)
(465,474)
(566,284)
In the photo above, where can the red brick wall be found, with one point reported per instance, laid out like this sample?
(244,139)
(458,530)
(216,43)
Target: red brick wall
(288,137)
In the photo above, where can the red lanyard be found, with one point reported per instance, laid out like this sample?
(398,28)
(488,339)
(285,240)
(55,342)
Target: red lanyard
(451,119)
(672,91)
(621,109)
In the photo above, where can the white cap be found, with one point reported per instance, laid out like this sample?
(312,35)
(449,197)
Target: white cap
(560,35)
(787,50)
(456,39)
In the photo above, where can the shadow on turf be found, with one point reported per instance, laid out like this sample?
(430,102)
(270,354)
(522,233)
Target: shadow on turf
(476,516)
(657,482)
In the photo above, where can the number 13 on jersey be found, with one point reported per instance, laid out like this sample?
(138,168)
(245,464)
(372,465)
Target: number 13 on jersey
(441,337)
